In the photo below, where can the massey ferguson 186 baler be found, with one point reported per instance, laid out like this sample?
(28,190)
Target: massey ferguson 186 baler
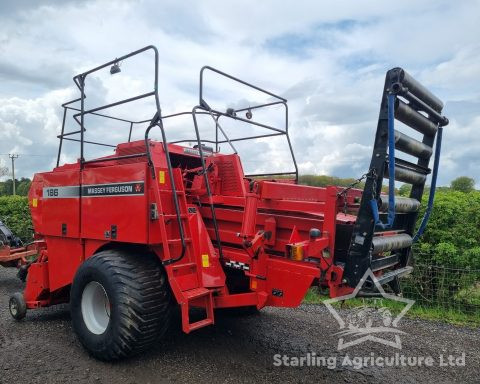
(125,237)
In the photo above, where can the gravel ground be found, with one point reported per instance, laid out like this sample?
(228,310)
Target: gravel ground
(43,349)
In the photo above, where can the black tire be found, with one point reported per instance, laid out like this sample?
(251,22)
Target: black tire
(17,306)
(23,272)
(140,306)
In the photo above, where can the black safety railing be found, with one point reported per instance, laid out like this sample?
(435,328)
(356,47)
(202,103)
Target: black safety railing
(155,121)
(233,114)
(79,114)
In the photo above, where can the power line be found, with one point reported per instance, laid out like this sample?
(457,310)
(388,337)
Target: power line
(27,154)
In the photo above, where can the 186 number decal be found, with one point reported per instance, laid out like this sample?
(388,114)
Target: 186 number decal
(52,192)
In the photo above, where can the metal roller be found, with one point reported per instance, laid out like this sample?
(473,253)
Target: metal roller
(402,204)
(419,105)
(408,176)
(413,119)
(411,146)
(419,90)
(389,243)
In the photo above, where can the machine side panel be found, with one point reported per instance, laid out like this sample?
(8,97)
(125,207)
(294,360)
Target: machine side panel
(115,203)
(59,204)
(64,258)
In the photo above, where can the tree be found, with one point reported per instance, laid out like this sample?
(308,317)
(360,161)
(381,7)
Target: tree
(15,213)
(324,180)
(404,190)
(7,187)
(463,184)
(23,186)
(453,231)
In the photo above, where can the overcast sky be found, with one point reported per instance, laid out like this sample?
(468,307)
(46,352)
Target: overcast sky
(328,58)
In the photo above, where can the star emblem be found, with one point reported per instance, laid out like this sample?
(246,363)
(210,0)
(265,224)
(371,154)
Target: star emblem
(359,326)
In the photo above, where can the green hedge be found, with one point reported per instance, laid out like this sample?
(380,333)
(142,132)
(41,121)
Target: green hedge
(15,213)
(452,237)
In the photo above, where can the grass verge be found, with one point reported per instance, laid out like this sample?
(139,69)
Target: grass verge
(437,313)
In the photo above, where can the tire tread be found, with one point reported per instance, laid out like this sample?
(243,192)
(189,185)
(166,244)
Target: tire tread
(144,301)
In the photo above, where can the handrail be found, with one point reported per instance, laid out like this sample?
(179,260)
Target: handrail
(279,100)
(80,82)
(207,183)
(172,182)
(201,109)
(207,67)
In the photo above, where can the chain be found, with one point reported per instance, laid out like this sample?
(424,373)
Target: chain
(371,173)
(345,190)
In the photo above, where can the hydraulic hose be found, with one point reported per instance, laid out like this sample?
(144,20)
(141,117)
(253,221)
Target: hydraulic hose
(391,170)
(433,186)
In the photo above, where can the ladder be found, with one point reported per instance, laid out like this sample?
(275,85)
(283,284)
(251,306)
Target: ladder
(383,233)
(194,296)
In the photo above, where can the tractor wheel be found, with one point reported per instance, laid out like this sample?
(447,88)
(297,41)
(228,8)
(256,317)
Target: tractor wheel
(17,306)
(23,272)
(120,304)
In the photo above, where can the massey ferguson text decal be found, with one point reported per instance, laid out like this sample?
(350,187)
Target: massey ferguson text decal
(118,189)
(95,190)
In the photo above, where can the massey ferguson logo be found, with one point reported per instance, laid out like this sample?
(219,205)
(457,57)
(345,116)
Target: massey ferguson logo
(95,190)
(109,190)
(113,189)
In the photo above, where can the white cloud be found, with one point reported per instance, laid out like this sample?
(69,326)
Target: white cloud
(328,58)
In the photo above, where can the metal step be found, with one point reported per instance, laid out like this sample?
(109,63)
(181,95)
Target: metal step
(370,290)
(408,172)
(390,243)
(197,297)
(179,241)
(195,293)
(402,204)
(408,176)
(169,191)
(389,276)
(384,262)
(199,324)
(174,216)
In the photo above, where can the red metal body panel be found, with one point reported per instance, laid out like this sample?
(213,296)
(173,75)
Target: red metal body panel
(38,288)
(64,256)
(127,212)
(291,281)
(57,211)
(264,228)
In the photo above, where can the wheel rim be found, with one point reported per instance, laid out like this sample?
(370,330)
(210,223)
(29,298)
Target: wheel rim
(13,307)
(95,308)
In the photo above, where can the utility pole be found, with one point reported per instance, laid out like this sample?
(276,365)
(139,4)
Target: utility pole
(13,157)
